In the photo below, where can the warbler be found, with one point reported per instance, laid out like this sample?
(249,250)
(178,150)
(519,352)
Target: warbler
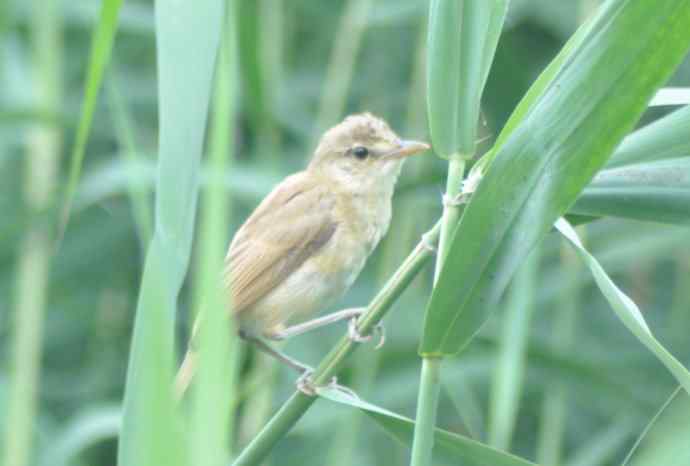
(308,240)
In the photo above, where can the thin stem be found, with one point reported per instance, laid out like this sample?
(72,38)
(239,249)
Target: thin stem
(35,249)
(298,403)
(430,382)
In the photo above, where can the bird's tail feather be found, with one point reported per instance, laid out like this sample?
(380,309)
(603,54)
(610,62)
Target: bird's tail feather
(185,373)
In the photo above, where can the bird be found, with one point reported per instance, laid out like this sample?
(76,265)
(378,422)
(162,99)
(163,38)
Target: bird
(308,240)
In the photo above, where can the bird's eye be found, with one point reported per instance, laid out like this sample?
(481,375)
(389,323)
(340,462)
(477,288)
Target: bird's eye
(360,152)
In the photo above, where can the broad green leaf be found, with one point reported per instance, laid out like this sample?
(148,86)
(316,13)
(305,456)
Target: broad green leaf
(666,138)
(455,446)
(655,191)
(101,48)
(187,37)
(536,90)
(462,40)
(564,139)
(626,310)
(214,390)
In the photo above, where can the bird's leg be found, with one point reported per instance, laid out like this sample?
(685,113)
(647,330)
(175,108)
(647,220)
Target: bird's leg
(317,323)
(304,383)
(347,314)
(276,353)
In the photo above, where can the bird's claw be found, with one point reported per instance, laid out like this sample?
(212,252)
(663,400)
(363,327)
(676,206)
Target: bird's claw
(354,335)
(306,385)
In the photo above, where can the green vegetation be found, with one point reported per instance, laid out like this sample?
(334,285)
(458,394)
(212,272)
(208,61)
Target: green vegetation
(135,137)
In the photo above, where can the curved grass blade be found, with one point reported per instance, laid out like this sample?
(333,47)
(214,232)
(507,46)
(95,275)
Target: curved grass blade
(455,446)
(655,191)
(666,138)
(86,430)
(214,391)
(509,375)
(566,136)
(626,310)
(101,48)
(187,40)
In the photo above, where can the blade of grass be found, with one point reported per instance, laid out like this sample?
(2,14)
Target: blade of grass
(215,388)
(187,37)
(626,310)
(455,446)
(656,191)
(506,386)
(554,409)
(101,48)
(83,432)
(666,138)
(34,251)
(649,425)
(542,167)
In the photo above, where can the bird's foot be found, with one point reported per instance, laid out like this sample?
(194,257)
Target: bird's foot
(354,335)
(306,385)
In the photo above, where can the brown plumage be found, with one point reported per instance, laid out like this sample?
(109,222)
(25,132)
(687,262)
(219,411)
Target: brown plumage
(309,238)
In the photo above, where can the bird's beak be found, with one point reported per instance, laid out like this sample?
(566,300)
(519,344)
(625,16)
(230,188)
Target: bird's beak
(407,148)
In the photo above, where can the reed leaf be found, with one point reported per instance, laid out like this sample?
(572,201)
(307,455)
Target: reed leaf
(187,37)
(550,157)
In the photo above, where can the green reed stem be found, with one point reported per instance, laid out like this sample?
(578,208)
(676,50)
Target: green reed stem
(35,248)
(299,403)
(430,381)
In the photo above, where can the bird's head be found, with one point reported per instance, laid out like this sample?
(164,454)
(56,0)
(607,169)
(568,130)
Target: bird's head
(362,152)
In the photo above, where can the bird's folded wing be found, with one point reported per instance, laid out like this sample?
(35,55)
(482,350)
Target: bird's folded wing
(289,226)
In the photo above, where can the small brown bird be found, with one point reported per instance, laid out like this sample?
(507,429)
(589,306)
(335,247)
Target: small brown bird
(306,243)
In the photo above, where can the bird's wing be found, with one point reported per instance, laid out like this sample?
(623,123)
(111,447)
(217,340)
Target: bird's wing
(290,225)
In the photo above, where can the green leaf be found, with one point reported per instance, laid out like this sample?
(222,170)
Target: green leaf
(506,386)
(566,136)
(666,138)
(461,45)
(536,90)
(626,310)
(101,48)
(83,432)
(214,390)
(455,446)
(187,37)
(655,191)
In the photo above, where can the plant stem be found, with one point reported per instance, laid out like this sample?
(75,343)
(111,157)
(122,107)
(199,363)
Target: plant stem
(34,252)
(430,384)
(298,403)
(430,381)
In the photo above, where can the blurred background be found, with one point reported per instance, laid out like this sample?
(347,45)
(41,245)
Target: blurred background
(553,376)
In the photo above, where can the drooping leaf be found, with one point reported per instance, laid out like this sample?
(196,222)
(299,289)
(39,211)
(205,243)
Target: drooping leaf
(624,307)
(655,191)
(458,447)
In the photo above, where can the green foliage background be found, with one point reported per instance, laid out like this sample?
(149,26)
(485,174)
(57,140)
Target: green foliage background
(586,387)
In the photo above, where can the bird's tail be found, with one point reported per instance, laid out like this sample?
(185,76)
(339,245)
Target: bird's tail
(185,373)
